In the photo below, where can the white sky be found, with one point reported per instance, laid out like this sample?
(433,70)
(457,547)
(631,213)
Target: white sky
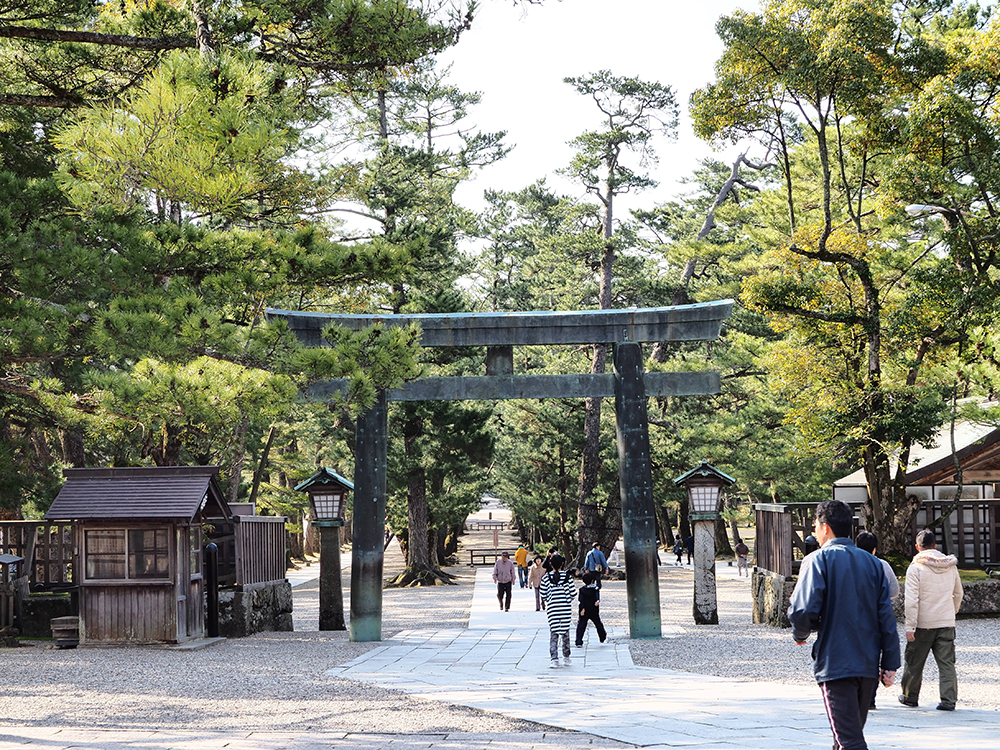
(517,58)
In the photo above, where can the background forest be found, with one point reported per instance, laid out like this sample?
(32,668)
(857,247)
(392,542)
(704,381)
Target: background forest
(169,169)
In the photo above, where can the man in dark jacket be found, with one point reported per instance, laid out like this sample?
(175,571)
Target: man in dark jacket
(842,594)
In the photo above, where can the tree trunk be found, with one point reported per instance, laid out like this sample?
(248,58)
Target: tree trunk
(683,523)
(722,546)
(258,475)
(417,551)
(237,458)
(734,530)
(72,446)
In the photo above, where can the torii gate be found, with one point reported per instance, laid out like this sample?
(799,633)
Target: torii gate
(500,333)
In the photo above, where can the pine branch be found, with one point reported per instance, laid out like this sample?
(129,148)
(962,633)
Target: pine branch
(92,37)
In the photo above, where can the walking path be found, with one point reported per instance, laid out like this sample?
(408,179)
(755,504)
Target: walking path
(501,664)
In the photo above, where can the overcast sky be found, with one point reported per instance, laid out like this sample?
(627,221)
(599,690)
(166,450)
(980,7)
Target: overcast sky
(517,58)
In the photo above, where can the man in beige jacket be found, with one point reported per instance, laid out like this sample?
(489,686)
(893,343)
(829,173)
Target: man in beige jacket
(933,596)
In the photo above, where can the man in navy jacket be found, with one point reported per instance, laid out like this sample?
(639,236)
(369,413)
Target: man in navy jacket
(842,594)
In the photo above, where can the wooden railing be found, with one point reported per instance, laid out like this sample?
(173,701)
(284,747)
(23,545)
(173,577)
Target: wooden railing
(487,556)
(485,525)
(260,549)
(46,547)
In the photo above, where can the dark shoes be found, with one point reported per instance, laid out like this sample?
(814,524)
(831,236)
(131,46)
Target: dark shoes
(908,703)
(946,707)
(579,645)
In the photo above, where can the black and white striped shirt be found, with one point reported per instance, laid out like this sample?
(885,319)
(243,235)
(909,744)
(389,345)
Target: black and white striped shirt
(558,591)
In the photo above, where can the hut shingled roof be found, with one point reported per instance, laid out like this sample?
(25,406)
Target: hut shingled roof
(139,493)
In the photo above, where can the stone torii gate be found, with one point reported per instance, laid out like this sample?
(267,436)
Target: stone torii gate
(500,333)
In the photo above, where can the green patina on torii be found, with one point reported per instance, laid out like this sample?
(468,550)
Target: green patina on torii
(500,333)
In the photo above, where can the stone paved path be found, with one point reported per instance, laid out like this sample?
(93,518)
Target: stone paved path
(500,663)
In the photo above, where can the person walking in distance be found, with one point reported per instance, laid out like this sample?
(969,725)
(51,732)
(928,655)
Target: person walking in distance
(590,602)
(596,563)
(558,592)
(867,541)
(843,596)
(742,553)
(503,577)
(547,562)
(521,558)
(535,581)
(933,596)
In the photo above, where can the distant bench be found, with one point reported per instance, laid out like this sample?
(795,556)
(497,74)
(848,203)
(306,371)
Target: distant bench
(487,556)
(480,525)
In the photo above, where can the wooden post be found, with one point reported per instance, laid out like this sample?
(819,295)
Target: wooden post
(635,480)
(369,523)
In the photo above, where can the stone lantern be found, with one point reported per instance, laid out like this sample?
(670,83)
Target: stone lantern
(704,485)
(327,499)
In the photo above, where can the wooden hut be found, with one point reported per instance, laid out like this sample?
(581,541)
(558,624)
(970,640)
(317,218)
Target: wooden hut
(138,542)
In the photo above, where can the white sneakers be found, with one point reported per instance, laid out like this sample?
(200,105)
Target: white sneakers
(566,661)
(554,664)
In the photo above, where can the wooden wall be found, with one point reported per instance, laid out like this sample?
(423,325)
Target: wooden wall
(134,612)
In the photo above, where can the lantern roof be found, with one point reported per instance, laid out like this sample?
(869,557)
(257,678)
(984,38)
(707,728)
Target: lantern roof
(705,470)
(324,478)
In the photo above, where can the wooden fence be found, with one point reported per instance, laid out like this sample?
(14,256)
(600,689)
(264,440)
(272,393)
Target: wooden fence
(260,549)
(773,547)
(47,549)
(251,550)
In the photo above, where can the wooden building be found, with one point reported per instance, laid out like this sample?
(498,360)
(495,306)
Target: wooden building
(138,549)
(971,528)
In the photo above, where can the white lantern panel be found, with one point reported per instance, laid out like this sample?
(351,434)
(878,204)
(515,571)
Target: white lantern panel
(327,507)
(704,498)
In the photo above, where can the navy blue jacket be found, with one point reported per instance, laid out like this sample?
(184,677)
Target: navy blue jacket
(842,594)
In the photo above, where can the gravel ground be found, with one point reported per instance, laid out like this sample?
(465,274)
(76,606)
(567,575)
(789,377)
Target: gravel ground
(276,681)
(267,682)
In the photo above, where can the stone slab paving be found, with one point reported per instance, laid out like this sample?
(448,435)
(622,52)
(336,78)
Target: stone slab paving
(501,664)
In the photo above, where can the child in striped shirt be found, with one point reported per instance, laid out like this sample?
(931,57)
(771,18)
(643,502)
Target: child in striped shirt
(558,592)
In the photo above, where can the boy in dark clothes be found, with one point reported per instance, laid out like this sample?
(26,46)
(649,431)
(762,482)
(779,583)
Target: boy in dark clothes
(590,602)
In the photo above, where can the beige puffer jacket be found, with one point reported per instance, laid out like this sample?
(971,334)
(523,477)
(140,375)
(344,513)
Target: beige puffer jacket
(933,590)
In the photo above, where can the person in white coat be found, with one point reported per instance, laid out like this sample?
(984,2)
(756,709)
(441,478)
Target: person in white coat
(933,594)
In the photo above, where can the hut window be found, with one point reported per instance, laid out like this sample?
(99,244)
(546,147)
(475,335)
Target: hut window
(149,553)
(195,549)
(105,550)
(124,554)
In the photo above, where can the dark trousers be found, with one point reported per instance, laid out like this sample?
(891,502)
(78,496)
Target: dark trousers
(581,626)
(940,642)
(847,703)
(522,576)
(503,589)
